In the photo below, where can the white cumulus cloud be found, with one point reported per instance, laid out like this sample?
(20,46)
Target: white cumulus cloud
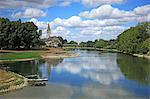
(104,22)
(143,10)
(96,3)
(106,12)
(30,13)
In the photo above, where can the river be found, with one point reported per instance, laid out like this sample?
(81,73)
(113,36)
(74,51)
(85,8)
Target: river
(92,75)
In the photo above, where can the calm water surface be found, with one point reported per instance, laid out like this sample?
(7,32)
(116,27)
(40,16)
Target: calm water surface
(93,75)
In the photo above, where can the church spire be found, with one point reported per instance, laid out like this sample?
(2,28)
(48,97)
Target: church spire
(49,31)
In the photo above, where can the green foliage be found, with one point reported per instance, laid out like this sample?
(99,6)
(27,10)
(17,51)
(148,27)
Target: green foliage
(73,42)
(19,81)
(111,44)
(87,44)
(146,43)
(65,41)
(101,43)
(83,44)
(16,34)
(131,40)
(90,44)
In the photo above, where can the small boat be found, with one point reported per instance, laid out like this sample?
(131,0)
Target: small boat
(35,80)
(33,77)
(39,84)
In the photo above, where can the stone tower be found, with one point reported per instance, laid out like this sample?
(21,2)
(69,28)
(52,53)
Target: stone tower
(49,31)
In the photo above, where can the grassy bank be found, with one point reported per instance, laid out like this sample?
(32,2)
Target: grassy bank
(10,81)
(20,55)
(25,55)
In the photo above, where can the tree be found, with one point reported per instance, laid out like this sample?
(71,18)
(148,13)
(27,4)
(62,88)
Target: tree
(146,46)
(73,42)
(101,43)
(61,39)
(90,44)
(65,41)
(15,34)
(83,44)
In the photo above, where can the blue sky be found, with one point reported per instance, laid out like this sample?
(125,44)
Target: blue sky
(79,20)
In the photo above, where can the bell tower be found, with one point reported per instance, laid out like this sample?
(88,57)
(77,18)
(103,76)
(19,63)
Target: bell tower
(49,31)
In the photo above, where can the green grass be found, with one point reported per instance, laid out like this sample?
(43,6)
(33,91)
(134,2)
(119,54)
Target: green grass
(20,55)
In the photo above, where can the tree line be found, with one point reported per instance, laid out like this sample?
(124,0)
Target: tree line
(17,34)
(133,40)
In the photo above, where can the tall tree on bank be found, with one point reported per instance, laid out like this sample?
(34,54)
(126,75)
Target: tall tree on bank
(16,34)
(131,40)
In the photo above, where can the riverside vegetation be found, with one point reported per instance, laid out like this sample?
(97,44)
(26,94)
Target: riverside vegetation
(20,41)
(135,40)
(19,37)
(25,35)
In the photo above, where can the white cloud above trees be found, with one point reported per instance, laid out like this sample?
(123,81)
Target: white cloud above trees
(103,22)
(109,12)
(30,13)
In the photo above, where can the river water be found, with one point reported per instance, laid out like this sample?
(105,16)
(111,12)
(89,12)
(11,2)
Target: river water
(92,75)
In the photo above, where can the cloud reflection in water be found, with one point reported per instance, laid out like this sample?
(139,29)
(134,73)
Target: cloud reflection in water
(100,69)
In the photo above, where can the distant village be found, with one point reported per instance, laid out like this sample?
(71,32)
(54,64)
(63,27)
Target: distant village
(53,41)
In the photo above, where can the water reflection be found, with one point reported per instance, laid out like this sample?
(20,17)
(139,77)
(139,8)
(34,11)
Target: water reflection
(102,69)
(39,67)
(135,68)
(24,68)
(45,68)
(93,75)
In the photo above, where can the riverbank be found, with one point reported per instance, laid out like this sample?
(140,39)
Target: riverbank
(108,50)
(11,55)
(142,56)
(26,55)
(60,55)
(10,81)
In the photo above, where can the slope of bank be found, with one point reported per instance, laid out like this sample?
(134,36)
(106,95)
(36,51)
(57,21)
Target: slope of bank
(10,81)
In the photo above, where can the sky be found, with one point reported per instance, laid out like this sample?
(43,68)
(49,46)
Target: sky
(79,20)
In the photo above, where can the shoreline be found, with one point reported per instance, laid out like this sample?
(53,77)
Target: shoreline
(48,54)
(62,53)
(10,87)
(17,60)
(51,53)
(109,50)
(6,87)
(61,56)
(141,56)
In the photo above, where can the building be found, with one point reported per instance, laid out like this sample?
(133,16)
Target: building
(49,31)
(52,41)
